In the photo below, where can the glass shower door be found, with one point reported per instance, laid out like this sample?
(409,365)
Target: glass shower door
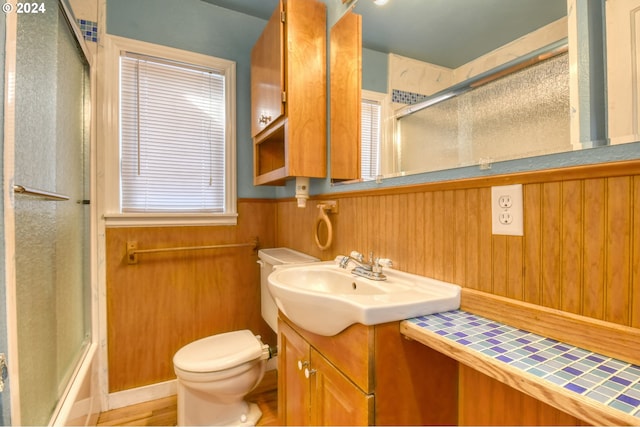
(51,234)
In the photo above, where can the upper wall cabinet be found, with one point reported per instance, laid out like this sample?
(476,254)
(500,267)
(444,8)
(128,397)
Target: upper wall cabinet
(288,94)
(346,76)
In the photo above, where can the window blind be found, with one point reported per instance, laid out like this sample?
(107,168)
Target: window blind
(172,137)
(370,139)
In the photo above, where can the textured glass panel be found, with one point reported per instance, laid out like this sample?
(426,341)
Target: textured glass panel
(521,115)
(51,91)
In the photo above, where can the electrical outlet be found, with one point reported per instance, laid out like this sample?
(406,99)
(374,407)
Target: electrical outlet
(506,210)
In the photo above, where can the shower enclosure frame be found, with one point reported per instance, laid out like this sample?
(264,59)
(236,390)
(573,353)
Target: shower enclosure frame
(79,401)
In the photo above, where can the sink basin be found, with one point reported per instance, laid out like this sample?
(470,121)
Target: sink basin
(326,299)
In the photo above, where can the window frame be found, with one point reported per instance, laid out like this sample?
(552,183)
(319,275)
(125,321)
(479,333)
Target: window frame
(383,148)
(113,46)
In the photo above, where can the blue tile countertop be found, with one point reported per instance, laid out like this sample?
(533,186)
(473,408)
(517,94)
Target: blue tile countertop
(597,381)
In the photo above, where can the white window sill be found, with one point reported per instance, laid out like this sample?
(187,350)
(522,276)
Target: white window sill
(168,219)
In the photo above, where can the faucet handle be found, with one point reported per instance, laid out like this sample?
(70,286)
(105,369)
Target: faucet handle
(385,262)
(357,256)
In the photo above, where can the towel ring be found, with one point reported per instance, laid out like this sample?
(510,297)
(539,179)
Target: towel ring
(323,218)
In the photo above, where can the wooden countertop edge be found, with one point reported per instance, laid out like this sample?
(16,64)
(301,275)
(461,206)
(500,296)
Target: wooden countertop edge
(565,400)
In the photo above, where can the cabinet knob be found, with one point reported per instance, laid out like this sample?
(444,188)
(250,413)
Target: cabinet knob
(264,119)
(302,364)
(308,372)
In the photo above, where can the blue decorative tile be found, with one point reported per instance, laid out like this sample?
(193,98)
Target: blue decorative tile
(504,359)
(89,29)
(629,400)
(556,380)
(598,396)
(537,372)
(572,371)
(620,380)
(584,383)
(614,385)
(569,356)
(606,391)
(538,358)
(633,370)
(549,342)
(595,358)
(566,375)
(575,387)
(606,369)
(621,406)
(530,361)
(608,381)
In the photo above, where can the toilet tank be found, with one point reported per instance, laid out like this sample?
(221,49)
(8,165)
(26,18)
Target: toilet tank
(268,259)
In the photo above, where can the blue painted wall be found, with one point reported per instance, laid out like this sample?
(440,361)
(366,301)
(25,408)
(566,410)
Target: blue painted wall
(375,70)
(200,27)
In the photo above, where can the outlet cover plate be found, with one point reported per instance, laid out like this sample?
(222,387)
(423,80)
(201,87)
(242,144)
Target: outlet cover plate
(507,216)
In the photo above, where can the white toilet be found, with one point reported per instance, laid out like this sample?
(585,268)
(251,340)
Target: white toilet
(217,372)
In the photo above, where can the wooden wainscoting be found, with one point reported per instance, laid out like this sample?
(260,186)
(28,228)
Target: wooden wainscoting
(170,299)
(580,252)
(485,401)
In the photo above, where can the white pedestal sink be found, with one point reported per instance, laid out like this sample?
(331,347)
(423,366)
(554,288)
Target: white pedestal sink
(325,299)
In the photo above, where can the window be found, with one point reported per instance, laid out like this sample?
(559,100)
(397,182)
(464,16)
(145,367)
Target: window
(175,137)
(370,139)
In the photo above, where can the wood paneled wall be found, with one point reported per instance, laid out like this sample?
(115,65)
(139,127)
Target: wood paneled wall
(580,252)
(170,299)
(499,405)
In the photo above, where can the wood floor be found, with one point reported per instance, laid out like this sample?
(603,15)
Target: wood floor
(162,412)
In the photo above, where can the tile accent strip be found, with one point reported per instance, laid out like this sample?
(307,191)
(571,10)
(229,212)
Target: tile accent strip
(89,29)
(610,381)
(404,97)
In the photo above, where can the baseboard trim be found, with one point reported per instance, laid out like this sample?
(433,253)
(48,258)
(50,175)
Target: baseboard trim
(147,393)
(137,395)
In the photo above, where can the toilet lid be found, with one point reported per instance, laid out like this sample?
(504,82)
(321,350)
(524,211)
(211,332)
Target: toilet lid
(219,352)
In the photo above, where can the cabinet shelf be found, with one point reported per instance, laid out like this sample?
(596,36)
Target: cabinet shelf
(269,154)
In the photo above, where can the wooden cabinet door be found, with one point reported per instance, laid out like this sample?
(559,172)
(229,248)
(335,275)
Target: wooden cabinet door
(267,74)
(346,97)
(293,386)
(335,400)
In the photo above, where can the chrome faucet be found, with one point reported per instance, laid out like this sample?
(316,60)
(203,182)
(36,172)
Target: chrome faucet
(371,269)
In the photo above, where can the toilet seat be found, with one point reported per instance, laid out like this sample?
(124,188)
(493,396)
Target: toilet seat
(220,352)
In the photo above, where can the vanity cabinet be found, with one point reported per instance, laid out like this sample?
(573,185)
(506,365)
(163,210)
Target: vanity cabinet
(288,94)
(312,391)
(365,375)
